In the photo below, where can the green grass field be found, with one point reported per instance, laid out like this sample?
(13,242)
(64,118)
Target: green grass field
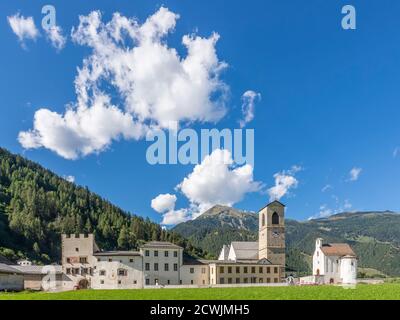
(362,292)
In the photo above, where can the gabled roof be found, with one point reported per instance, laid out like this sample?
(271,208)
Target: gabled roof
(271,203)
(5,268)
(264,261)
(161,245)
(245,250)
(38,269)
(337,249)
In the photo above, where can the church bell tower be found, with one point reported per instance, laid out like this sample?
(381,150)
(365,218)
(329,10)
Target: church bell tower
(271,234)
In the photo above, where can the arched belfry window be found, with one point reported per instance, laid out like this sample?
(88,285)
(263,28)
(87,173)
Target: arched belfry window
(263,219)
(275,218)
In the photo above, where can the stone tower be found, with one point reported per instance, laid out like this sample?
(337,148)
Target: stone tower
(271,234)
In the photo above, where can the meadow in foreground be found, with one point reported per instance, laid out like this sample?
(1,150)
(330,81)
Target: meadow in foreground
(361,292)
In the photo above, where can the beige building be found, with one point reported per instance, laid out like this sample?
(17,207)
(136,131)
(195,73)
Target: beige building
(117,269)
(255,262)
(158,263)
(78,260)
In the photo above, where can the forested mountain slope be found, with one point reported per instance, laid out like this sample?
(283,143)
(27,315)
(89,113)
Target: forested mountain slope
(36,206)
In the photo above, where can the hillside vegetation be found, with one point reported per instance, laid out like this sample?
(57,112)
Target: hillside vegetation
(36,206)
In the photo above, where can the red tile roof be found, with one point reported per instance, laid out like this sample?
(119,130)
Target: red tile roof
(337,249)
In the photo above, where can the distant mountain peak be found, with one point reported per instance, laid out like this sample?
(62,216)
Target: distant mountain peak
(224,211)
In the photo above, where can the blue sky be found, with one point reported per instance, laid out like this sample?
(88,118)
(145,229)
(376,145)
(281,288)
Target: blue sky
(330,99)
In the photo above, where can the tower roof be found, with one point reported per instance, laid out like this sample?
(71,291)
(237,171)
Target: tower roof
(271,203)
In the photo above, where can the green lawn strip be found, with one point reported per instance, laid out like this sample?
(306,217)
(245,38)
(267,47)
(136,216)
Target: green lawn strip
(362,292)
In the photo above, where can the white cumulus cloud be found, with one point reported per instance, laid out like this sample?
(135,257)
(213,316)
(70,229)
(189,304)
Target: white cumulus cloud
(249,100)
(69,178)
(217,181)
(24,28)
(354,174)
(164,202)
(284,181)
(151,83)
(214,181)
(54,34)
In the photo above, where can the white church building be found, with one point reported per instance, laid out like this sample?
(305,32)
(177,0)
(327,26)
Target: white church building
(333,263)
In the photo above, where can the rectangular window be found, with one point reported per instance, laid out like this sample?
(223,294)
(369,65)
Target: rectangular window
(84,271)
(77,271)
(68,271)
(131,260)
(260,269)
(275,280)
(147,253)
(101,281)
(77,249)
(119,282)
(237,269)
(147,282)
(203,270)
(253,269)
(165,253)
(83,260)
(276,270)
(237,280)
(245,280)
(221,280)
(191,281)
(134,282)
(147,266)
(68,260)
(175,267)
(229,269)
(175,254)
(166,267)
(191,270)
(122,272)
(204,281)
(268,280)
(102,272)
(229,280)
(156,267)
(168,281)
(156,253)
(109,260)
(268,270)
(244,269)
